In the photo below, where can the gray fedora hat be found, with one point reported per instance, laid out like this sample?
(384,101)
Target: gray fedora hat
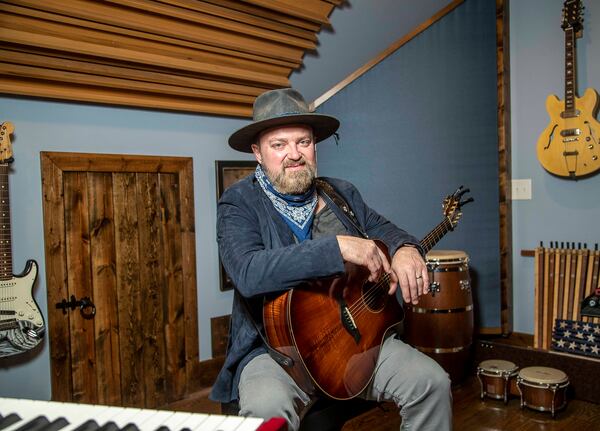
(278,108)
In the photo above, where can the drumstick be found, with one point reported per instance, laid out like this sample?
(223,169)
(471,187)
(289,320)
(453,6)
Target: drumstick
(559,265)
(538,294)
(592,267)
(570,283)
(581,271)
(550,295)
(595,280)
(565,274)
(548,263)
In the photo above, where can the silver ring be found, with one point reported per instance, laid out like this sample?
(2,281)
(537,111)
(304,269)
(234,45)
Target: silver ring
(419,276)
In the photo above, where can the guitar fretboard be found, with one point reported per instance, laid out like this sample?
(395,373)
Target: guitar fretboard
(5,235)
(436,234)
(570,72)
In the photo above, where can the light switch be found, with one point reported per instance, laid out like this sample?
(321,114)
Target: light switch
(521,189)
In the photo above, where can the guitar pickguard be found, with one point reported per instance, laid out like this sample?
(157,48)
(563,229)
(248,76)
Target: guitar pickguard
(21,322)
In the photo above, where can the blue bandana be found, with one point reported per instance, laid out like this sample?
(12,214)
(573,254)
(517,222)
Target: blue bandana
(297,211)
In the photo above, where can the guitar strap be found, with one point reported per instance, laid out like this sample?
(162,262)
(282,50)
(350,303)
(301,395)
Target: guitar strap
(325,188)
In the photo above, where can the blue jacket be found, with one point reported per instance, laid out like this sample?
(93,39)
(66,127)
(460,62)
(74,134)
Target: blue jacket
(260,255)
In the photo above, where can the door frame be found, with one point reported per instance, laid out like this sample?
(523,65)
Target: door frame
(53,165)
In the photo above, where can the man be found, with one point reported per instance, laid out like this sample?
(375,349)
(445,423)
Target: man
(276,230)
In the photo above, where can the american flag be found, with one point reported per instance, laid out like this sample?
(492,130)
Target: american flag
(577,337)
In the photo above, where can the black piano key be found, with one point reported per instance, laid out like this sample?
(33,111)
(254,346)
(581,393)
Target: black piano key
(35,424)
(130,427)
(56,425)
(162,428)
(89,425)
(7,421)
(109,426)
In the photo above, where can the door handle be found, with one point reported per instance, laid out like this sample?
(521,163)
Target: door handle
(87,309)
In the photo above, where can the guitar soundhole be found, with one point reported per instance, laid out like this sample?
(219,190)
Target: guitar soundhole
(374,297)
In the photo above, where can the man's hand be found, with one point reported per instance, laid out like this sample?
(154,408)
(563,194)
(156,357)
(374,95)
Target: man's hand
(411,273)
(365,253)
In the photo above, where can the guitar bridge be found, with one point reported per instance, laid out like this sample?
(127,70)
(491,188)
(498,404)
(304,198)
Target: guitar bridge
(348,322)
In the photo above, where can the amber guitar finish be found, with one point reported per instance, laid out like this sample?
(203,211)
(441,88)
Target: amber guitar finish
(332,329)
(570,146)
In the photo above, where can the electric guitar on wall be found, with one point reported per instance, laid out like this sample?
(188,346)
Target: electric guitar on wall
(331,330)
(570,146)
(21,323)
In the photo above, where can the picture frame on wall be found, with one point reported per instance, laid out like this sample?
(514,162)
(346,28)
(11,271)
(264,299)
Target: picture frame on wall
(228,173)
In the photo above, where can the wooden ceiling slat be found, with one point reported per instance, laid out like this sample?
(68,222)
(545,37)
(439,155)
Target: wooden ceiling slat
(209,56)
(124,17)
(146,46)
(61,63)
(268,14)
(68,45)
(312,10)
(208,8)
(213,21)
(100,95)
(48,74)
(218,55)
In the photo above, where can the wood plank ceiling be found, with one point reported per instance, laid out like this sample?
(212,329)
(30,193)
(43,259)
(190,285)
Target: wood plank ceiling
(212,56)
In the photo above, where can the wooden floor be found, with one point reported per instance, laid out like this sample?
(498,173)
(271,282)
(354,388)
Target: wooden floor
(470,413)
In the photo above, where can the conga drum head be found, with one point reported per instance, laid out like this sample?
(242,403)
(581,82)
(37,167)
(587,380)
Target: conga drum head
(446,256)
(498,367)
(543,375)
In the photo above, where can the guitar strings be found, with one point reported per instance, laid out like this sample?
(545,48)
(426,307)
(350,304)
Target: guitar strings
(361,305)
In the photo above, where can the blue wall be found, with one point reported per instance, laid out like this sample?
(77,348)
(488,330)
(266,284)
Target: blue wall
(561,210)
(421,123)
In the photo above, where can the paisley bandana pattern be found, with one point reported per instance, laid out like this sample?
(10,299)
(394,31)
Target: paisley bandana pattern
(297,211)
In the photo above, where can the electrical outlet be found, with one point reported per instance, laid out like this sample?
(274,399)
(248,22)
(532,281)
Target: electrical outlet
(521,189)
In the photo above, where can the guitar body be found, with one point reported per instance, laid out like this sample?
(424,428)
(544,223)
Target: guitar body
(21,324)
(570,146)
(307,324)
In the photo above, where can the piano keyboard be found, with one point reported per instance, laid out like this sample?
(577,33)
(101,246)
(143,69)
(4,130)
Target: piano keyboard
(32,415)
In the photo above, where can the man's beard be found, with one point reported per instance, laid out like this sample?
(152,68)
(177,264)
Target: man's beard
(293,182)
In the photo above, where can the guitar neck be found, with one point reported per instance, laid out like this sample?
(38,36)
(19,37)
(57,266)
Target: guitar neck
(433,237)
(570,72)
(5,236)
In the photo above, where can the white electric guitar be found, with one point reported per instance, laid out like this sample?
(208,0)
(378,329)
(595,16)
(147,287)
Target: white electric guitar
(21,323)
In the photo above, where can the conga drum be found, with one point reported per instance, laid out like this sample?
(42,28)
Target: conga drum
(543,388)
(441,324)
(496,377)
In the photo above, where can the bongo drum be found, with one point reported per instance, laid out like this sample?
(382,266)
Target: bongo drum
(543,388)
(441,324)
(495,377)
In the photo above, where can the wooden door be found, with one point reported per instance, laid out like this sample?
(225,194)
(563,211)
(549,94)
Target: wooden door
(120,231)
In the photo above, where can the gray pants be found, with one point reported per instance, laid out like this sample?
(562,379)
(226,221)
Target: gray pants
(403,375)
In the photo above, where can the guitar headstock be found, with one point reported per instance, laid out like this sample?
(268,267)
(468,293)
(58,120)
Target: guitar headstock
(6,154)
(453,203)
(572,15)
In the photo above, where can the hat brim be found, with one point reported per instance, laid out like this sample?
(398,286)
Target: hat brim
(323,127)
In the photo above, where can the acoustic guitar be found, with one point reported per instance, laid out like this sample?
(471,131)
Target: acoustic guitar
(331,329)
(21,322)
(569,146)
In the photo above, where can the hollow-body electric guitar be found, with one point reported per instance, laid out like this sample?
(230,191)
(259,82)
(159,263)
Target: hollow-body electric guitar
(331,330)
(570,145)
(21,322)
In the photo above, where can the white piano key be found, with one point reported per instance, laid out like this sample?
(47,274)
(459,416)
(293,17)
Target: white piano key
(211,423)
(157,419)
(250,424)
(230,423)
(181,420)
(125,416)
